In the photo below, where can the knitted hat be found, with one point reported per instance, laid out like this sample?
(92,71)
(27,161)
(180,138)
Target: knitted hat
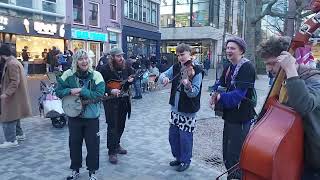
(239,41)
(5,50)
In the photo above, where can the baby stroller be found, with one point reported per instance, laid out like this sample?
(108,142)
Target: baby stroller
(50,106)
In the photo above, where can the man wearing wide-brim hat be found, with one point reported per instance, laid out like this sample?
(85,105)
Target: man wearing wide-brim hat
(15,102)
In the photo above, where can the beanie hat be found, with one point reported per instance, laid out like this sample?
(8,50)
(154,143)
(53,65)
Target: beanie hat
(5,50)
(239,41)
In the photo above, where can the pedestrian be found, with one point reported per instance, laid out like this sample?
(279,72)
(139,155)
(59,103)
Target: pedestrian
(25,59)
(137,83)
(81,80)
(103,60)
(206,65)
(236,103)
(120,106)
(14,96)
(185,103)
(303,90)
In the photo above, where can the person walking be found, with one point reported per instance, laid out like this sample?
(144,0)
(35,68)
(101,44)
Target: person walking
(14,96)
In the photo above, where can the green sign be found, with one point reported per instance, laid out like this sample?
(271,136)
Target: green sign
(88,35)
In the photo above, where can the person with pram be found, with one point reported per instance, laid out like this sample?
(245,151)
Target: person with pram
(81,80)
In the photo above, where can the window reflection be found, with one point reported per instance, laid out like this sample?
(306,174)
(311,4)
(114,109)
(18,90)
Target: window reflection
(200,14)
(197,12)
(183,13)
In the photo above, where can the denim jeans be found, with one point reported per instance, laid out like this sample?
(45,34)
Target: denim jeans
(181,143)
(25,67)
(11,130)
(137,87)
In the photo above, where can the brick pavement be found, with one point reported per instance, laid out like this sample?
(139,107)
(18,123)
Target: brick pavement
(44,155)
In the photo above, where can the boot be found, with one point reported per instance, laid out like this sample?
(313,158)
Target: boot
(113,159)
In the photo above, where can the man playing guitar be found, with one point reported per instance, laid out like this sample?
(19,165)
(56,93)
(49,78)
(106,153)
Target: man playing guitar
(116,74)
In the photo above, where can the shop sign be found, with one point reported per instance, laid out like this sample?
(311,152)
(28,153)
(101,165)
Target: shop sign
(88,35)
(3,22)
(42,28)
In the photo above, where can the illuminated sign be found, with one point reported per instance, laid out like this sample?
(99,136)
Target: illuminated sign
(3,22)
(88,35)
(42,28)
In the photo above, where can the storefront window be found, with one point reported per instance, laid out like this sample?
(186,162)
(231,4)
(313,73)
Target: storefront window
(94,51)
(200,14)
(113,9)
(4,1)
(140,46)
(24,3)
(166,13)
(36,46)
(49,5)
(183,13)
(76,45)
(93,14)
(78,11)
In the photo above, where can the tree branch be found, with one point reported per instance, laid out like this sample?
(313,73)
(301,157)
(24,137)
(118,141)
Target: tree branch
(268,11)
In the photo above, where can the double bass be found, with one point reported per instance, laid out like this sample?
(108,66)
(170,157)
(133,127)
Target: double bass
(273,149)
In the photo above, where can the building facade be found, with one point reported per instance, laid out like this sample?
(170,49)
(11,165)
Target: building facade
(140,32)
(36,25)
(96,26)
(201,24)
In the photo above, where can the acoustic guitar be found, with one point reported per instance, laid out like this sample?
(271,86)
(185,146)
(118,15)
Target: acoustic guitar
(118,84)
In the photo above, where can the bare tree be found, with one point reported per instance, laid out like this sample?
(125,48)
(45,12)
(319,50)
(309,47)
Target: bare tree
(292,14)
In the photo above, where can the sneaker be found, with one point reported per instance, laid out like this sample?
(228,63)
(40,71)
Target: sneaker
(21,138)
(74,175)
(183,167)
(9,144)
(92,176)
(174,163)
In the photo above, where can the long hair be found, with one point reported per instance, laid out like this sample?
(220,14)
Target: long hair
(78,55)
(112,62)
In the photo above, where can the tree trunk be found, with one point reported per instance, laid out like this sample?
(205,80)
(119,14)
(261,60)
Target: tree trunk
(289,28)
(253,30)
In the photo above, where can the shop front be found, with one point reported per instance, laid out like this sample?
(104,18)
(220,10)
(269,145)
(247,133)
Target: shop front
(140,42)
(203,48)
(91,41)
(35,37)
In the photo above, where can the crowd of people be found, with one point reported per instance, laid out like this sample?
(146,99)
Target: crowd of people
(233,95)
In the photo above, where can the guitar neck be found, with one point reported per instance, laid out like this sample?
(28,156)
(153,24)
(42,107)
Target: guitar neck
(92,101)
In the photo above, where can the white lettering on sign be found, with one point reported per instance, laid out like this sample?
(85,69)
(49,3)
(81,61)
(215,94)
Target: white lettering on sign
(62,31)
(4,20)
(42,28)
